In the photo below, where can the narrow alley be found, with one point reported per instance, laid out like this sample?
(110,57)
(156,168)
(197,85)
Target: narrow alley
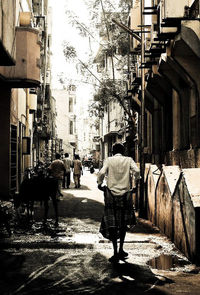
(112,86)
(73,258)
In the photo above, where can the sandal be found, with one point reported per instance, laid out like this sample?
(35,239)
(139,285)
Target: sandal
(122,254)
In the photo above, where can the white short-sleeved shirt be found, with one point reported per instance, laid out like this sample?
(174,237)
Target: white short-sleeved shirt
(118,169)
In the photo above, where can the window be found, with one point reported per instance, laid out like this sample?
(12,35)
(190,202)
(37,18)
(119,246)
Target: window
(72,88)
(70,104)
(71,125)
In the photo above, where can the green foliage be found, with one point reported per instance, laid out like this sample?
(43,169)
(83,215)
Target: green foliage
(108,91)
(115,45)
(69,51)
(75,22)
(104,93)
(101,14)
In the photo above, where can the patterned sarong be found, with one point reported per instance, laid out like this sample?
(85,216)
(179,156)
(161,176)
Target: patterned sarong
(118,213)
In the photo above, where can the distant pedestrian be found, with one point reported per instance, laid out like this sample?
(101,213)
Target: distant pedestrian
(92,168)
(77,166)
(67,174)
(56,170)
(118,211)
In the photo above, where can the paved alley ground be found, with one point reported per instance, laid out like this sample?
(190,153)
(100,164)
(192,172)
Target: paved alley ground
(73,258)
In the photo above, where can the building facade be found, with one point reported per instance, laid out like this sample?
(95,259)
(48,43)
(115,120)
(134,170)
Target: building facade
(24,89)
(66,118)
(165,82)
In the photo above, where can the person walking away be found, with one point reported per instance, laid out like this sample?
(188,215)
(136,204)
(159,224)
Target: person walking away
(118,211)
(56,170)
(67,173)
(77,171)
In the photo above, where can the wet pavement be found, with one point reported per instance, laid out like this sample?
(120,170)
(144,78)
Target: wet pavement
(73,257)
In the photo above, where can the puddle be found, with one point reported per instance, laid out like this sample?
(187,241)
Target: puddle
(167,262)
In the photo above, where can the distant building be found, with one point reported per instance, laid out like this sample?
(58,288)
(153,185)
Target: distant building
(87,131)
(66,117)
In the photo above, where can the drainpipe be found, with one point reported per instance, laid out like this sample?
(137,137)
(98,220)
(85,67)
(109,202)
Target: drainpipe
(142,117)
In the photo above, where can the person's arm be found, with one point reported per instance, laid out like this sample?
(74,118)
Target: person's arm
(101,174)
(135,171)
(49,169)
(81,168)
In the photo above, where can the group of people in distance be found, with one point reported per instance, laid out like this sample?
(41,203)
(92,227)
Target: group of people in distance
(61,171)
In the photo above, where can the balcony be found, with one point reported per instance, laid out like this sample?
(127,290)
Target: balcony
(171,13)
(7,33)
(26,72)
(72,139)
(173,9)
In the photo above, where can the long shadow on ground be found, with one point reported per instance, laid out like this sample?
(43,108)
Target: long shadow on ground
(73,207)
(92,275)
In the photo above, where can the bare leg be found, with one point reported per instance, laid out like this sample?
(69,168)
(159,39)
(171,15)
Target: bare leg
(122,253)
(75,181)
(31,209)
(122,238)
(113,238)
(55,205)
(46,209)
(79,184)
(114,242)
(28,211)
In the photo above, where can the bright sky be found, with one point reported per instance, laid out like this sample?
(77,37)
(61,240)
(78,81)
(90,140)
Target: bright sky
(63,31)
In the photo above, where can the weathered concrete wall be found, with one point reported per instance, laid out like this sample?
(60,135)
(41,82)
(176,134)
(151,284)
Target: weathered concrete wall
(164,194)
(7,32)
(192,177)
(152,179)
(186,206)
(186,159)
(174,206)
(184,220)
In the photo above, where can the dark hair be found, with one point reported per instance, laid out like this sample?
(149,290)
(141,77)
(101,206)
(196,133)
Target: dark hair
(66,155)
(76,157)
(57,156)
(118,148)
